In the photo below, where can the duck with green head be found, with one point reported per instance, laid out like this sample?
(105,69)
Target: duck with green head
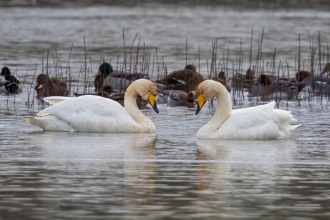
(114,78)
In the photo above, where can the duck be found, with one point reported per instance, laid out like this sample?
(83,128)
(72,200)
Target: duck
(116,79)
(105,92)
(11,83)
(120,98)
(177,98)
(239,80)
(268,87)
(96,114)
(50,86)
(259,122)
(2,84)
(186,79)
(317,84)
(221,78)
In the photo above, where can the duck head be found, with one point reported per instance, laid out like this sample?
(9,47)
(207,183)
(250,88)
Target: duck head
(205,91)
(191,96)
(190,67)
(249,73)
(108,89)
(264,79)
(5,71)
(147,90)
(326,68)
(222,75)
(105,69)
(42,81)
(301,75)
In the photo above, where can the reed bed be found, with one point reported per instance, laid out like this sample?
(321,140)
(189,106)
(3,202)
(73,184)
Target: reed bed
(137,57)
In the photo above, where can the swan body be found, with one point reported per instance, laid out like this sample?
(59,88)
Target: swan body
(91,113)
(260,122)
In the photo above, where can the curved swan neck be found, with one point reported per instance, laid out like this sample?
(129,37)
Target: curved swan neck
(224,106)
(133,110)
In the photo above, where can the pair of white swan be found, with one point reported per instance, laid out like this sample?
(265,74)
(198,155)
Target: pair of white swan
(97,114)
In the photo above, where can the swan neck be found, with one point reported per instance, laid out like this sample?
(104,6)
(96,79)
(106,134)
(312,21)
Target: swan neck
(224,107)
(132,108)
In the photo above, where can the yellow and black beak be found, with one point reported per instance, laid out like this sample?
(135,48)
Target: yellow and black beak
(200,103)
(152,101)
(98,73)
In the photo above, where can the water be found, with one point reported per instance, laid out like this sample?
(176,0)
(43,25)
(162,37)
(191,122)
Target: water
(170,174)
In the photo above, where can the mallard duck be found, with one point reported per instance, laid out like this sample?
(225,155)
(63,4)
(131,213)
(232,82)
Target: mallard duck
(177,98)
(267,89)
(317,84)
(97,114)
(239,80)
(2,84)
(50,86)
(105,92)
(12,83)
(260,122)
(114,78)
(185,80)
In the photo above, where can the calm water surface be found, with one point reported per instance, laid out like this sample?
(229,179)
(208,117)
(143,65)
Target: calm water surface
(170,174)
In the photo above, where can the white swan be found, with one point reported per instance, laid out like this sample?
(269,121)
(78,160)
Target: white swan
(97,114)
(260,122)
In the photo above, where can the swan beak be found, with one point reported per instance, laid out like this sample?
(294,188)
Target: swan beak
(200,103)
(98,73)
(152,101)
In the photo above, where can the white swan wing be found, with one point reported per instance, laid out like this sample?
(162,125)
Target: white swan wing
(260,122)
(56,99)
(91,114)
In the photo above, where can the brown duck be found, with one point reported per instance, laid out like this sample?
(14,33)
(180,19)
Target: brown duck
(187,79)
(50,86)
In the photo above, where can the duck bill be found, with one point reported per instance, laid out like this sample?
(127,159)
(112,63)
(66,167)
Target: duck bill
(200,103)
(152,101)
(98,73)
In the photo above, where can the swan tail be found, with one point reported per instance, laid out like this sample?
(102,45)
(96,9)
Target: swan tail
(50,122)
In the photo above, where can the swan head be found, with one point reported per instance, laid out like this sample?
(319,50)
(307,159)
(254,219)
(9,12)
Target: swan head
(205,91)
(105,69)
(147,90)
